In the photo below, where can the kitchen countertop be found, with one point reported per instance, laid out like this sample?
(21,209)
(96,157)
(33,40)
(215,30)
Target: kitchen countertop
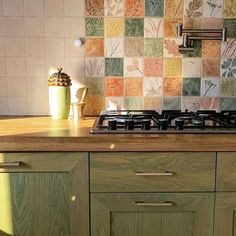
(45,134)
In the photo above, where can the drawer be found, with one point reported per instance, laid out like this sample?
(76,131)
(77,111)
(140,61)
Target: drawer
(152,172)
(226,171)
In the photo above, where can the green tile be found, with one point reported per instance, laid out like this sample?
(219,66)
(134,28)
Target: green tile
(228,87)
(94,26)
(191,86)
(114,66)
(135,103)
(172,103)
(153,47)
(134,27)
(230,25)
(227,103)
(95,86)
(197,50)
(154,8)
(228,68)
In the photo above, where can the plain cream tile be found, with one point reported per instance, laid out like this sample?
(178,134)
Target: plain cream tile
(2,28)
(72,50)
(13,7)
(52,65)
(74,26)
(74,7)
(37,106)
(15,46)
(54,27)
(54,7)
(3,86)
(3,70)
(16,86)
(14,26)
(34,26)
(191,67)
(37,86)
(35,47)
(35,67)
(1,7)
(17,106)
(33,7)
(2,47)
(3,106)
(75,67)
(55,47)
(16,66)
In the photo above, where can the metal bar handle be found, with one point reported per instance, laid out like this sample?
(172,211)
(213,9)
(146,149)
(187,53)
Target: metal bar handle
(166,173)
(154,204)
(11,164)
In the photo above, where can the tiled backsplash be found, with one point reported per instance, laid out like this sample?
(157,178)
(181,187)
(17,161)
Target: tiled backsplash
(130,57)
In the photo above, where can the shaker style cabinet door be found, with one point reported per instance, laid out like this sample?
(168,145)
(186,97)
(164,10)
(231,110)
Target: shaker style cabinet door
(44,194)
(152,214)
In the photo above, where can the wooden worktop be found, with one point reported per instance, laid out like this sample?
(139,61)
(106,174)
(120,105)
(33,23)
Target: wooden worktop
(45,134)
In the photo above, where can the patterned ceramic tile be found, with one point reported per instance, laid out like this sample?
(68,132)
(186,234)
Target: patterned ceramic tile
(134,8)
(213,8)
(152,86)
(171,103)
(154,8)
(211,67)
(94,7)
(172,67)
(133,67)
(197,50)
(114,27)
(229,9)
(94,26)
(228,68)
(114,47)
(114,86)
(192,67)
(94,67)
(230,25)
(191,86)
(172,86)
(114,8)
(227,103)
(210,103)
(134,47)
(115,103)
(114,66)
(212,23)
(210,87)
(153,103)
(228,48)
(153,67)
(153,47)
(134,87)
(94,105)
(174,8)
(134,27)
(135,103)
(170,26)
(96,86)
(191,103)
(171,47)
(153,27)
(228,87)
(211,49)
(94,47)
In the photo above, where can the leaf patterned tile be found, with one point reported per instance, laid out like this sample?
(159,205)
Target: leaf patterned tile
(114,47)
(94,26)
(94,67)
(154,8)
(210,87)
(96,86)
(191,86)
(114,27)
(211,49)
(153,27)
(114,103)
(114,66)
(133,87)
(134,47)
(171,47)
(230,25)
(171,103)
(133,67)
(213,8)
(174,8)
(227,103)
(134,27)
(134,103)
(153,103)
(192,67)
(170,26)
(152,86)
(172,86)
(228,48)
(191,103)
(228,68)
(153,66)
(211,67)
(229,9)
(153,47)
(114,86)
(228,87)
(210,103)
(94,7)
(94,105)
(114,8)
(172,67)
(134,8)
(94,47)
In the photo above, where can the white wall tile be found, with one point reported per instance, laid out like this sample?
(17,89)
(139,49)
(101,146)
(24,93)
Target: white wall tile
(37,86)
(3,71)
(1,7)
(35,67)
(74,26)
(2,28)
(55,47)
(14,26)
(34,26)
(2,47)
(37,106)
(3,106)
(54,7)
(33,7)
(3,86)
(13,8)
(74,7)
(75,67)
(17,105)
(72,50)
(15,46)
(35,47)
(52,64)
(54,27)
(16,66)
(16,86)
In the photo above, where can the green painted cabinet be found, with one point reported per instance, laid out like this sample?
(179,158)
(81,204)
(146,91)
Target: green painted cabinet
(44,194)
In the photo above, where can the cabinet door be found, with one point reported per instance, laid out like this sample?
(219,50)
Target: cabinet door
(225,214)
(152,214)
(44,194)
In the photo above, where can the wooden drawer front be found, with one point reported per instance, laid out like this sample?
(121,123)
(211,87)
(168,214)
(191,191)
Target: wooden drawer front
(226,171)
(152,172)
(35,162)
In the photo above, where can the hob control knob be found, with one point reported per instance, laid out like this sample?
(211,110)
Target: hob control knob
(163,124)
(146,124)
(129,124)
(179,124)
(112,124)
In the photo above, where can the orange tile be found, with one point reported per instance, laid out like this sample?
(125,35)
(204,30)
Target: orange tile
(170,27)
(134,8)
(133,86)
(174,8)
(153,67)
(211,49)
(114,86)
(94,47)
(153,103)
(94,105)
(172,86)
(211,67)
(210,103)
(94,7)
(172,67)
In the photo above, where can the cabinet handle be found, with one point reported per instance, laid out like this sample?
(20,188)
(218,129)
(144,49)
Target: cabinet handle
(154,174)
(154,204)
(11,164)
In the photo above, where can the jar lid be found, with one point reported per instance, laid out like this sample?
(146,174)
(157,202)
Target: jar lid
(60,74)
(59,79)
